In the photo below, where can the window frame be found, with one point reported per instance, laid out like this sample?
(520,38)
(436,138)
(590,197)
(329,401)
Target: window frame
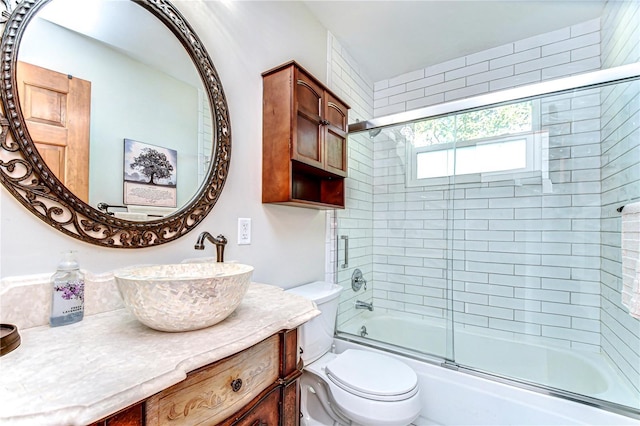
(537,156)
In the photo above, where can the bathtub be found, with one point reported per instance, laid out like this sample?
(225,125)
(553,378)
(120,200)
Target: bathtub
(583,373)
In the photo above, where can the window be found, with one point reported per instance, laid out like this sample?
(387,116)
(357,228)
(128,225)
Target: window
(488,142)
(492,156)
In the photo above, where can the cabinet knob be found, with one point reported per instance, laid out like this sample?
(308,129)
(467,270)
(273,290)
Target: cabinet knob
(236,384)
(324,122)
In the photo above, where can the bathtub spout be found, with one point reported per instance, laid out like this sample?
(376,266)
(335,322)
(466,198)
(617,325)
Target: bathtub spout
(364,305)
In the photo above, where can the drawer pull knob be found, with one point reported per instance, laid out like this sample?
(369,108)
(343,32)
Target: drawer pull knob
(236,385)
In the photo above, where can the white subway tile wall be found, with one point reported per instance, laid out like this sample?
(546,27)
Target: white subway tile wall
(519,262)
(356,220)
(507,239)
(568,51)
(205,136)
(620,180)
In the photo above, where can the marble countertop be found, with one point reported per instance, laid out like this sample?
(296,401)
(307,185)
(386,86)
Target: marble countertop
(79,373)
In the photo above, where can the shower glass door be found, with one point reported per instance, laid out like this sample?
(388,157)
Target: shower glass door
(397,236)
(537,274)
(492,238)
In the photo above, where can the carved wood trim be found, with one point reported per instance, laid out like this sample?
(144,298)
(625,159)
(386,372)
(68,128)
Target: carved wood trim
(25,175)
(206,396)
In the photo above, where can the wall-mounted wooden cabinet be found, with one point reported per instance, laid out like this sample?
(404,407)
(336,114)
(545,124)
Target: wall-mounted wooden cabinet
(304,140)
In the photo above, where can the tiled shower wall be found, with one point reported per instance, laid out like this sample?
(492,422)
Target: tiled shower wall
(205,133)
(620,181)
(553,294)
(525,264)
(567,51)
(355,221)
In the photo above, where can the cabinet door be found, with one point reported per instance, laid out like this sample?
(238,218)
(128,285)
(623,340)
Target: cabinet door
(307,139)
(266,413)
(132,416)
(291,404)
(335,137)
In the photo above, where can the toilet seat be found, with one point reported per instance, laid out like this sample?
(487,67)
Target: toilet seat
(364,407)
(372,376)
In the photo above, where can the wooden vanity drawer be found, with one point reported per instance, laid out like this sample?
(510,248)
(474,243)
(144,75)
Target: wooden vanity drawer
(213,393)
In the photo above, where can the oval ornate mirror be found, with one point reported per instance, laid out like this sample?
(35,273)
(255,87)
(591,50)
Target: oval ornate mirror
(143,122)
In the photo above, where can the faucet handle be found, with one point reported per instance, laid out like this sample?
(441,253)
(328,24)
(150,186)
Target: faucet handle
(220,241)
(357,280)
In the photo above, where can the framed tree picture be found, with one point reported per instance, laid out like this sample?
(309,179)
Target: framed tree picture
(150,174)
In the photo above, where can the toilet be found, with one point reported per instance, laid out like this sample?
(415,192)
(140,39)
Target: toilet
(355,387)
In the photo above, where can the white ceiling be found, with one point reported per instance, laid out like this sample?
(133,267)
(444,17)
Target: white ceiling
(389,38)
(386,37)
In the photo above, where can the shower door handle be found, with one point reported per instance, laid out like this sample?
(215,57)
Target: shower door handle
(346,251)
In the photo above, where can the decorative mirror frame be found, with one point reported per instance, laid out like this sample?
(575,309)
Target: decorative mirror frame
(25,175)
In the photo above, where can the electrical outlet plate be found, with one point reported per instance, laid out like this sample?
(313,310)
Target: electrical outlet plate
(244,230)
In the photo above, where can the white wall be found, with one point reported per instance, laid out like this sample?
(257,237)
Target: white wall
(620,175)
(244,39)
(567,51)
(353,85)
(494,289)
(553,293)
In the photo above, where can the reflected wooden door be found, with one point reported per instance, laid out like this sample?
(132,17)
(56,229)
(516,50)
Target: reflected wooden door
(57,109)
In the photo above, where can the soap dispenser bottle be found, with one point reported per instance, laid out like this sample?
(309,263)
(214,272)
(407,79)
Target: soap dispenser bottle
(67,303)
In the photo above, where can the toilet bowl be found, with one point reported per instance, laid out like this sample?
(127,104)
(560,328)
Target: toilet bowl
(356,387)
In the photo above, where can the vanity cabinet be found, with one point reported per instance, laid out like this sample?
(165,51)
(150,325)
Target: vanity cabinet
(304,148)
(255,387)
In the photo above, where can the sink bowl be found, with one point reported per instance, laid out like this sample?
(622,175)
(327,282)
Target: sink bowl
(185,296)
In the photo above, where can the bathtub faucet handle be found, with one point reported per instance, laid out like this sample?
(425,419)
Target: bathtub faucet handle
(357,280)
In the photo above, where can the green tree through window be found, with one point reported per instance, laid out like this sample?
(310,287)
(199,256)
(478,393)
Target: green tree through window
(481,124)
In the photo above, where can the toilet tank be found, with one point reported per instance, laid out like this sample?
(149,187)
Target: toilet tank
(316,335)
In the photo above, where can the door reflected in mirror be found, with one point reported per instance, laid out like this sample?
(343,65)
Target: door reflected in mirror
(98,72)
(57,111)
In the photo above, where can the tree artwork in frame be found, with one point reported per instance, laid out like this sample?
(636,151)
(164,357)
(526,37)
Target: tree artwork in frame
(150,174)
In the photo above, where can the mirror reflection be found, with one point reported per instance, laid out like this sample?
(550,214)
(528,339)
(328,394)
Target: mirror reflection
(115,106)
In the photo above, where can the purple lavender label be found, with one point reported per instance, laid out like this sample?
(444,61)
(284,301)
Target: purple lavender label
(68,297)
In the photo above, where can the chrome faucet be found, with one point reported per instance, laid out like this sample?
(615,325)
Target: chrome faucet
(219,241)
(364,305)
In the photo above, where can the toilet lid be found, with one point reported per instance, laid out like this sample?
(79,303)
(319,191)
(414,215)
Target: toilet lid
(372,375)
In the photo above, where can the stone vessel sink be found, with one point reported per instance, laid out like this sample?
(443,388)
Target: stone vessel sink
(185,296)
